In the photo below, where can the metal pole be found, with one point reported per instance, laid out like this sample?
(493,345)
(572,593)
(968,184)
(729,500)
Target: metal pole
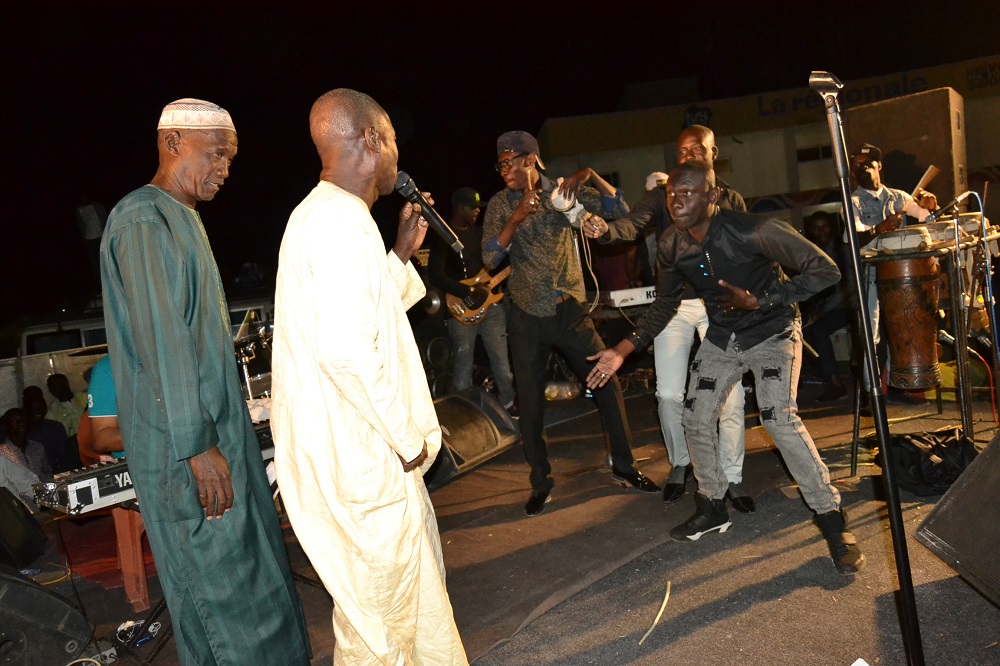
(828,86)
(959,313)
(989,302)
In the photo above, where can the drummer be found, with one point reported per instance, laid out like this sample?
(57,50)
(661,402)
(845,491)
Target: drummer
(877,210)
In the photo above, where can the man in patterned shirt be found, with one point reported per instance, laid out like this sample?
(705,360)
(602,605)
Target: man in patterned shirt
(547,298)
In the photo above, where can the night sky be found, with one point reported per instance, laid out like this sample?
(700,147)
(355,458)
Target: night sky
(86,82)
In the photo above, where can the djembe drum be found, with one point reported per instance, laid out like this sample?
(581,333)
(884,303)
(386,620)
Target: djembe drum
(908,300)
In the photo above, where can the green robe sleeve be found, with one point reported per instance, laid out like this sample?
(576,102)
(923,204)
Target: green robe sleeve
(160,285)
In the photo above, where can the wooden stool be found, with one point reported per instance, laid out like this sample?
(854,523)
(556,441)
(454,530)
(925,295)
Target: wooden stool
(128,532)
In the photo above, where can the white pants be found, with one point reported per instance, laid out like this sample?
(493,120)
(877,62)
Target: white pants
(671,352)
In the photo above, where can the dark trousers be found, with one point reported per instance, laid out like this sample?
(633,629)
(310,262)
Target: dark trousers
(531,340)
(818,333)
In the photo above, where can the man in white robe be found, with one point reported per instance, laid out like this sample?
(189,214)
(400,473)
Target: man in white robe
(353,419)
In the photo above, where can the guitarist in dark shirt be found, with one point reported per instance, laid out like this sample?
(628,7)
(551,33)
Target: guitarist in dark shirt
(476,309)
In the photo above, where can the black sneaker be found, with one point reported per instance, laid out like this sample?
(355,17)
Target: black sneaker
(536,503)
(635,479)
(844,550)
(709,515)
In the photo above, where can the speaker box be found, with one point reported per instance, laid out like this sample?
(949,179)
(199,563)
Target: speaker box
(913,133)
(37,627)
(474,428)
(22,540)
(963,528)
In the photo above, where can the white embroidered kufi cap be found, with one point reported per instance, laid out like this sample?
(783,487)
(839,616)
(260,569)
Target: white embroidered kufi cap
(189,113)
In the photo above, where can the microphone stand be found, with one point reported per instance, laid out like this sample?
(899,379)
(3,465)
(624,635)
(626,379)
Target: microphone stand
(989,301)
(960,315)
(828,86)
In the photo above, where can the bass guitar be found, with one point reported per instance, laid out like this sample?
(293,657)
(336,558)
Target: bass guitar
(472,308)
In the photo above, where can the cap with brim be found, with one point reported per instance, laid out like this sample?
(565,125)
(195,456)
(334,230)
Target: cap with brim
(189,113)
(466,196)
(517,141)
(656,179)
(868,150)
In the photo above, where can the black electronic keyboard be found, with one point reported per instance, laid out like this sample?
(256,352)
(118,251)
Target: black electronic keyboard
(108,484)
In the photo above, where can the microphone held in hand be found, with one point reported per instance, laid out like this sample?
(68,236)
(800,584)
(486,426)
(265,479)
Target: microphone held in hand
(409,191)
(945,208)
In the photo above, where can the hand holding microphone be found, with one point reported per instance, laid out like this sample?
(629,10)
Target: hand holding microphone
(406,187)
(411,231)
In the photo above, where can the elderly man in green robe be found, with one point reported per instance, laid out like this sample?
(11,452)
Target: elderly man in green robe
(190,445)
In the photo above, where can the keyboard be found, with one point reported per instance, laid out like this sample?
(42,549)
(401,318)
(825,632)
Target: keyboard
(623,298)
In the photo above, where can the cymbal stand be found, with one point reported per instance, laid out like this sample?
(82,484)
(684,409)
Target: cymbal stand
(827,86)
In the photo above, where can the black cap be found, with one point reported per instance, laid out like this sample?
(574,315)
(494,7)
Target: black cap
(466,196)
(517,141)
(867,150)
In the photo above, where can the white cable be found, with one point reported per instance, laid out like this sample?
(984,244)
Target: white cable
(590,269)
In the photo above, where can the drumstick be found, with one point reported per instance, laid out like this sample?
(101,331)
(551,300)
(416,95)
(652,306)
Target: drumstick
(929,175)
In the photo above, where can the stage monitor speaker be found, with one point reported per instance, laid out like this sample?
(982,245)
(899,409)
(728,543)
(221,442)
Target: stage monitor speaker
(474,428)
(37,627)
(914,132)
(22,540)
(963,528)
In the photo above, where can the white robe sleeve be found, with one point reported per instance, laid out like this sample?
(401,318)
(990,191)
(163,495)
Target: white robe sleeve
(353,360)
(411,287)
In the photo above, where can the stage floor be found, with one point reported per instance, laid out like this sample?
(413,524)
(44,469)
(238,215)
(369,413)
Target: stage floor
(583,582)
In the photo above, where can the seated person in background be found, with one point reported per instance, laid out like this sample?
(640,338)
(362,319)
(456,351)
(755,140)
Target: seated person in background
(49,433)
(828,311)
(21,450)
(67,408)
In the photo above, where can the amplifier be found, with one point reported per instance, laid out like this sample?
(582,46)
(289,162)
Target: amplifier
(108,484)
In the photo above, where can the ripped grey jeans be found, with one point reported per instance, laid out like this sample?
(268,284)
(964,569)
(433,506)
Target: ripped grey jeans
(775,364)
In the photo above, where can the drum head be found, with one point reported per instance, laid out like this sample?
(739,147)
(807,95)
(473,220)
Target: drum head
(908,239)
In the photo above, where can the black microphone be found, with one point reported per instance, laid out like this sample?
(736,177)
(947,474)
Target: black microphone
(406,187)
(941,211)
